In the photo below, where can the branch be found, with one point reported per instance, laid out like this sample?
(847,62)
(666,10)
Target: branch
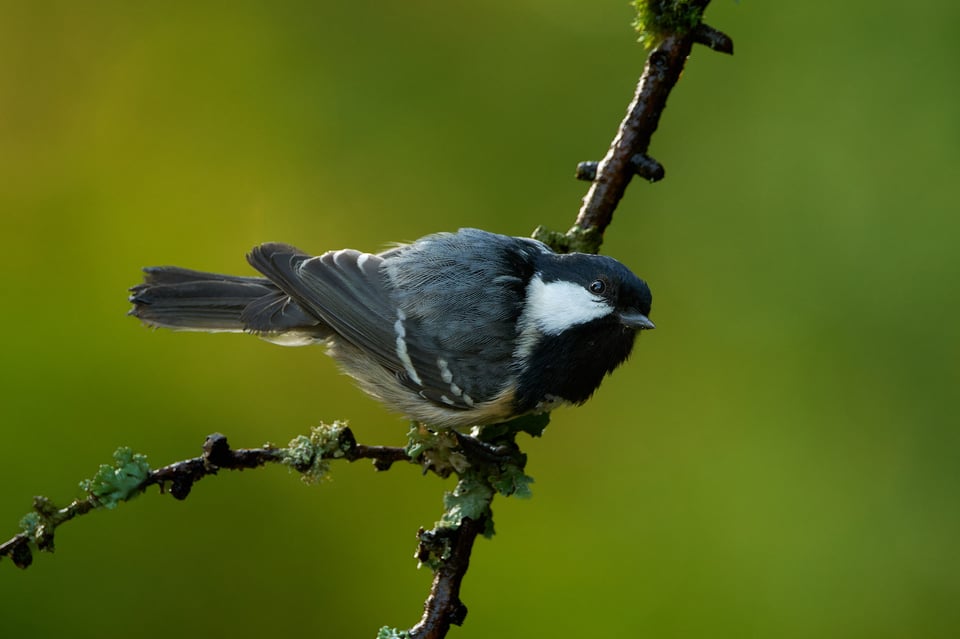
(675,27)
(486,466)
(130,476)
(443,607)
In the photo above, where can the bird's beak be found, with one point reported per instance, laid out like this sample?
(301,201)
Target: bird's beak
(638,321)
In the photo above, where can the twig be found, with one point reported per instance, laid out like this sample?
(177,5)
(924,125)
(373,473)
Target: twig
(616,169)
(710,37)
(178,479)
(443,607)
(627,155)
(217,454)
(17,548)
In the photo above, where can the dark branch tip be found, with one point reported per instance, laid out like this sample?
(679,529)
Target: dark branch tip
(587,171)
(717,40)
(216,450)
(180,486)
(44,537)
(382,464)
(647,167)
(20,553)
(459,614)
(644,166)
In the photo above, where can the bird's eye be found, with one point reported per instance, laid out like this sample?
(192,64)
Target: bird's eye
(597,286)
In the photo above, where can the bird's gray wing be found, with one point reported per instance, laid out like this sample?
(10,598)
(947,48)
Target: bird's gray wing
(468,288)
(349,292)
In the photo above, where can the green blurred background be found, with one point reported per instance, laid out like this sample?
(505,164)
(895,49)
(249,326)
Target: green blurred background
(779,459)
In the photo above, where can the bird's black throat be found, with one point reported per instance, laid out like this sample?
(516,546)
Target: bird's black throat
(571,365)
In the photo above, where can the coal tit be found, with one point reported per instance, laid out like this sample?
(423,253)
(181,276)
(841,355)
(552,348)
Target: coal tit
(452,330)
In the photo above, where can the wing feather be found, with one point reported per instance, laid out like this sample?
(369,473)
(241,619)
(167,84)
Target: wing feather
(343,291)
(379,304)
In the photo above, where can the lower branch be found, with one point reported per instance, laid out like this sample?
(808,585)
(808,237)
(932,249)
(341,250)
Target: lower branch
(443,607)
(130,476)
(487,466)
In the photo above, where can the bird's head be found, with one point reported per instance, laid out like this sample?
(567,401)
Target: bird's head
(569,290)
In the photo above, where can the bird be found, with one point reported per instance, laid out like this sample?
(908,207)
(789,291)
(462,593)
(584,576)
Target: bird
(454,330)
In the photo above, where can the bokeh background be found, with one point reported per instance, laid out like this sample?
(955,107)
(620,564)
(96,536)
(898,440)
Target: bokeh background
(779,459)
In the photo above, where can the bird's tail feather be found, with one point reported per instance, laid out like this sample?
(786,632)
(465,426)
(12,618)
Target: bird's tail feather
(188,300)
(179,298)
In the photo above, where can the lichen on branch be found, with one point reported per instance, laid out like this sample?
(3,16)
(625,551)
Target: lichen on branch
(658,18)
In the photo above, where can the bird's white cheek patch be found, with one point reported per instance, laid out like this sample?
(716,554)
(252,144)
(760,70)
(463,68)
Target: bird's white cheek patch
(554,307)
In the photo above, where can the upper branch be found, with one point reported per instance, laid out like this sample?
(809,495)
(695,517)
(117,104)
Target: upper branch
(675,27)
(617,168)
